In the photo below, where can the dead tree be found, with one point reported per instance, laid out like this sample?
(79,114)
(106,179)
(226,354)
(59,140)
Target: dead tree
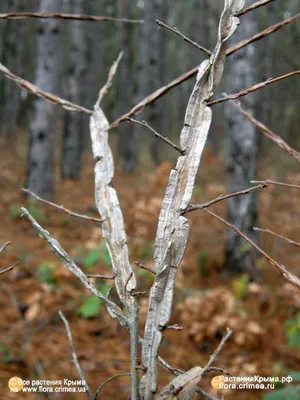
(172,231)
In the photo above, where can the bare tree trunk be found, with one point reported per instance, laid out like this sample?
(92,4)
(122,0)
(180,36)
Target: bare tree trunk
(40,173)
(241,153)
(11,56)
(75,123)
(149,77)
(125,74)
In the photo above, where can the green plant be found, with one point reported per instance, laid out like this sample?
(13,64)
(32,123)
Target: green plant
(46,273)
(93,256)
(203,258)
(240,286)
(5,354)
(14,211)
(293,331)
(90,307)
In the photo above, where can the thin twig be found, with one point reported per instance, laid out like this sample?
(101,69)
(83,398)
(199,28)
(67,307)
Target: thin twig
(168,367)
(267,132)
(205,394)
(111,74)
(2,248)
(128,279)
(269,182)
(33,89)
(253,88)
(9,268)
(185,38)
(194,207)
(165,139)
(152,97)
(174,327)
(78,17)
(139,264)
(113,309)
(25,331)
(74,356)
(288,275)
(260,35)
(290,241)
(254,6)
(218,349)
(62,208)
(101,276)
(224,371)
(108,380)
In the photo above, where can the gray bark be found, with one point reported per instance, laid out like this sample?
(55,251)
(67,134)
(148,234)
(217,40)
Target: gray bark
(75,126)
(150,76)
(241,159)
(40,175)
(11,56)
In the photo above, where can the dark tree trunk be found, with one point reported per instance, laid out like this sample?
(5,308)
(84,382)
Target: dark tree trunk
(75,126)
(240,257)
(40,172)
(150,76)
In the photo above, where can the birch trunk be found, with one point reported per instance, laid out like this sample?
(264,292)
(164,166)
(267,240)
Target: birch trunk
(40,168)
(241,156)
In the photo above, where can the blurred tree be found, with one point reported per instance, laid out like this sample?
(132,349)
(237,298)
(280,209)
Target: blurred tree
(40,167)
(241,156)
(75,126)
(125,75)
(150,76)
(11,56)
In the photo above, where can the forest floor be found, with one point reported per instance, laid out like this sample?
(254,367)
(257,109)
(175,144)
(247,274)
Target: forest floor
(264,316)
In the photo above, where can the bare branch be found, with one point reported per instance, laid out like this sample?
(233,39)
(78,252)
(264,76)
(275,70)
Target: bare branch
(172,230)
(194,207)
(151,98)
(108,277)
(62,208)
(254,6)
(287,275)
(114,234)
(185,38)
(163,138)
(269,182)
(218,349)
(253,88)
(262,34)
(2,248)
(108,380)
(112,308)
(205,394)
(74,356)
(290,241)
(267,132)
(9,268)
(144,267)
(111,74)
(33,89)
(168,367)
(77,17)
